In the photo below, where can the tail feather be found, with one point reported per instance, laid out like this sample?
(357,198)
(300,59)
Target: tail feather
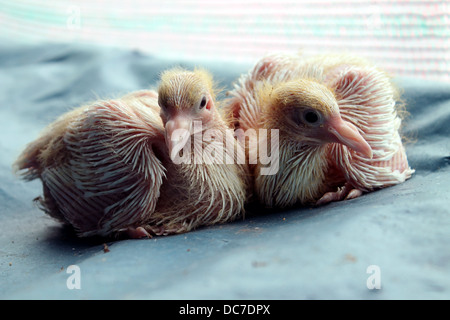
(28,165)
(47,150)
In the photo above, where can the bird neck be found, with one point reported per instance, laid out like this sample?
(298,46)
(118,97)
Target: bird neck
(300,178)
(308,161)
(207,178)
(212,143)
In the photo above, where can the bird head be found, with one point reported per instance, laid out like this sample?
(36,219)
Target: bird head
(307,112)
(185,97)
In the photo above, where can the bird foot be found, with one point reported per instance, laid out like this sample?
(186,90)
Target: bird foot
(165,230)
(344,193)
(148,230)
(137,233)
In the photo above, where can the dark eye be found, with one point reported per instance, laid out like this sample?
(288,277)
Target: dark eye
(311,117)
(203,103)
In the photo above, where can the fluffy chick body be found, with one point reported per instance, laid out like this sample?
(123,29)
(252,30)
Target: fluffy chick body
(312,172)
(105,170)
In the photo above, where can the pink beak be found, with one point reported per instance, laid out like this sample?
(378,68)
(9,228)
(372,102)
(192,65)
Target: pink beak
(178,132)
(346,133)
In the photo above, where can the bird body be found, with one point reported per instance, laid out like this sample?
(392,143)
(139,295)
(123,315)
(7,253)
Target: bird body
(106,167)
(338,119)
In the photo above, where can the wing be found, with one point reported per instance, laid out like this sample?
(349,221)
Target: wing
(113,176)
(367,99)
(244,104)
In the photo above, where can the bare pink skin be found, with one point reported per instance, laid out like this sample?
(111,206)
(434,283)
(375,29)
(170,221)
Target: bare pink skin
(346,192)
(137,233)
(179,124)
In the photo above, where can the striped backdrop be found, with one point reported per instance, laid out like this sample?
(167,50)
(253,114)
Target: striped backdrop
(408,38)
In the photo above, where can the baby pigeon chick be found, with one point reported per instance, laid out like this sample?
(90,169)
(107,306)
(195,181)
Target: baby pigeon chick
(207,184)
(99,164)
(338,127)
(106,169)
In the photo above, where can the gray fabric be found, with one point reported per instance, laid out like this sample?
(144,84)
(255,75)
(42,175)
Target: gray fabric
(300,253)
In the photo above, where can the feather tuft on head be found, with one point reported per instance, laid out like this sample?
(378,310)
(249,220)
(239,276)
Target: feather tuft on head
(182,88)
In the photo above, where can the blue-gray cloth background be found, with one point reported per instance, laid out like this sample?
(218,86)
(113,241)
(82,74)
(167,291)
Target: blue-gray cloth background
(300,253)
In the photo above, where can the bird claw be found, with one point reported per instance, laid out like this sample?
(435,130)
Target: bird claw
(137,233)
(354,193)
(165,230)
(343,193)
(148,230)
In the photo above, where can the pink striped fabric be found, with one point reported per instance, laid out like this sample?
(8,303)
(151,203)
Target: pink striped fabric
(408,38)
